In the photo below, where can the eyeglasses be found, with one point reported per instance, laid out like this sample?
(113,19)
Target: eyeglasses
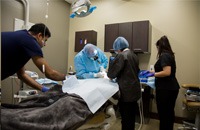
(95,57)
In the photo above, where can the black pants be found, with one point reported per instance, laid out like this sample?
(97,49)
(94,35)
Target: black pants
(166,100)
(128,111)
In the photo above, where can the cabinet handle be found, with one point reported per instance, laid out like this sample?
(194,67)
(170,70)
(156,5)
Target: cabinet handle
(138,50)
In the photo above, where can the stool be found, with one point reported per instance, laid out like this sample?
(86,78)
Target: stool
(192,106)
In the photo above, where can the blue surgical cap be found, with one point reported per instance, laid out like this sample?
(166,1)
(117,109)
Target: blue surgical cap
(90,50)
(120,43)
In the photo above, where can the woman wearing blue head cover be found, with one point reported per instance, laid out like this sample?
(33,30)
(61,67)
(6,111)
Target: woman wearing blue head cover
(125,67)
(89,62)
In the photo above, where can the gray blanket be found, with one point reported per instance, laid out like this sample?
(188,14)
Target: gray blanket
(53,110)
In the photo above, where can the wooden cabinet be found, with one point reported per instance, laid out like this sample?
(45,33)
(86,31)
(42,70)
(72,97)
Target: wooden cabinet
(111,33)
(84,37)
(141,37)
(125,30)
(138,34)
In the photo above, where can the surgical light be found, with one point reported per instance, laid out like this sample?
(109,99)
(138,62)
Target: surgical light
(81,8)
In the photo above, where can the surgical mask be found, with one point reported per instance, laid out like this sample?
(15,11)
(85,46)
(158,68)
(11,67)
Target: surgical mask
(116,52)
(91,58)
(43,43)
(95,56)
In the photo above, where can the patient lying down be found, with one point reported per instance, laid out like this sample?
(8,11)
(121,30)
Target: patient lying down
(53,110)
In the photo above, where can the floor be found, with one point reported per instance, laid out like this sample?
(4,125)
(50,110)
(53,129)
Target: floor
(98,122)
(153,124)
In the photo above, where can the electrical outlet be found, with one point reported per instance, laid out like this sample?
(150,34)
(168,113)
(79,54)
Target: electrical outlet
(151,67)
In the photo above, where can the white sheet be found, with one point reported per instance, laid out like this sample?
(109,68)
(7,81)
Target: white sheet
(95,92)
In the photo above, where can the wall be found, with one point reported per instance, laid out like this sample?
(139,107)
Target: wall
(56,49)
(199,44)
(0,46)
(179,20)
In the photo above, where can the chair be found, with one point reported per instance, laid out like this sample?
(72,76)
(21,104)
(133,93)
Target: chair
(192,106)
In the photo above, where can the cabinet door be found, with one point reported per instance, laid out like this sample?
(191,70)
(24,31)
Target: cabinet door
(125,30)
(111,33)
(136,33)
(84,37)
(141,36)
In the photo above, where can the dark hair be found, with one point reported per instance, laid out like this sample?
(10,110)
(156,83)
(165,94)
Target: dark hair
(40,28)
(164,46)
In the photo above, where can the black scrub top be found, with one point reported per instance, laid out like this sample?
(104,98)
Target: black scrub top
(125,68)
(169,82)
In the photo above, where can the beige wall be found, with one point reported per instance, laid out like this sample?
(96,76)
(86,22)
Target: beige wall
(199,44)
(56,50)
(179,20)
(0,46)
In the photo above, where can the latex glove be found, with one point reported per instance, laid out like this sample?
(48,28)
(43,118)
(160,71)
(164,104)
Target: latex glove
(112,58)
(143,73)
(99,75)
(102,69)
(114,80)
(150,74)
(44,89)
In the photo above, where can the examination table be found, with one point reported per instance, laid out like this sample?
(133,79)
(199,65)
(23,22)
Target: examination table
(53,110)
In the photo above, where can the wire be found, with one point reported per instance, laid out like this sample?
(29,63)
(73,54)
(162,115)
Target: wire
(46,16)
(140,104)
(43,70)
(47,11)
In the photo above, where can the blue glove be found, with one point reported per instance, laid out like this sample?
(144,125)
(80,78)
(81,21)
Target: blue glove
(143,73)
(112,58)
(44,89)
(150,74)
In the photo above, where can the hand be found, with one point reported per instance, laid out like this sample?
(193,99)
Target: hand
(143,73)
(150,74)
(112,58)
(99,75)
(44,89)
(146,74)
(114,80)
(102,69)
